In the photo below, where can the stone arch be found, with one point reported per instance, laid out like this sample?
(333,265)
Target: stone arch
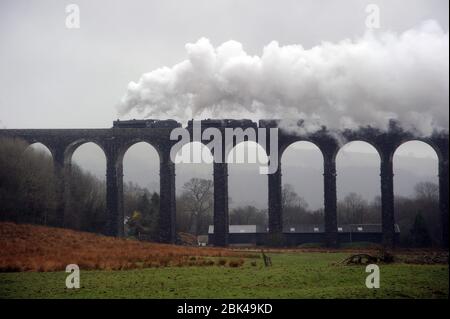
(237,173)
(302,146)
(187,153)
(84,156)
(43,147)
(284,146)
(194,163)
(372,146)
(430,211)
(128,144)
(360,140)
(167,186)
(427,142)
(35,160)
(350,193)
(257,154)
(73,146)
(143,170)
(125,150)
(27,143)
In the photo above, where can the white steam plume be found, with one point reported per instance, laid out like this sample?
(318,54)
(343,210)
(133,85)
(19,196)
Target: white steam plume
(366,81)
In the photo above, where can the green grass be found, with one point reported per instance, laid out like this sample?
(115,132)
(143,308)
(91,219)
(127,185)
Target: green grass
(293,275)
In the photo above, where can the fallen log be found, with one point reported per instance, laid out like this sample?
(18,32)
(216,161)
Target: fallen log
(365,259)
(360,259)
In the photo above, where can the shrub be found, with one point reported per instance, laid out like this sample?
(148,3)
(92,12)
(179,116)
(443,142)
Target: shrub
(222,262)
(236,263)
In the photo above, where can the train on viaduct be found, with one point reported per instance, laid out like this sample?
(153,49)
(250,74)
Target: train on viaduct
(116,140)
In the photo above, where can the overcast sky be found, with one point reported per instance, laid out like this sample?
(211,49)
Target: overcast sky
(54,77)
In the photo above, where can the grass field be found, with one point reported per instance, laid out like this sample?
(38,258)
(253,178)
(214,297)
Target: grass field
(32,260)
(293,275)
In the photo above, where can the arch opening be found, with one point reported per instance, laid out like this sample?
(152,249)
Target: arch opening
(39,148)
(87,145)
(195,190)
(28,192)
(303,188)
(86,203)
(358,184)
(248,187)
(141,191)
(416,186)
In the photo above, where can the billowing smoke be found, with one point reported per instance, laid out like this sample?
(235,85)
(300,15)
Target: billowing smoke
(360,82)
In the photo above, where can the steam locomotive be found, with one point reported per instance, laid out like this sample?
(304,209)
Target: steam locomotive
(148,123)
(232,123)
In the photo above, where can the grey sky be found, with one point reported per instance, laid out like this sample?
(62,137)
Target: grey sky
(52,76)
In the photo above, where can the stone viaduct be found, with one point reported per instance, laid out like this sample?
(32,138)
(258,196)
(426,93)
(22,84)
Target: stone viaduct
(116,140)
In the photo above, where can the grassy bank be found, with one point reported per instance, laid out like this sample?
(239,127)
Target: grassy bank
(39,248)
(293,275)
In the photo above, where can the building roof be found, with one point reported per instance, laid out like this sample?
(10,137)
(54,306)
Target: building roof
(351,228)
(240,229)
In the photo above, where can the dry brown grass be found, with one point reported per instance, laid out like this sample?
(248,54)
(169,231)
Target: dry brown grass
(39,248)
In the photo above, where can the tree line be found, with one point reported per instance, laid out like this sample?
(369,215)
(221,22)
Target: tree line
(28,195)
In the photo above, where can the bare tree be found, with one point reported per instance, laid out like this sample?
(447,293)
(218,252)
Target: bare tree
(290,198)
(427,191)
(295,208)
(197,198)
(353,209)
(248,215)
